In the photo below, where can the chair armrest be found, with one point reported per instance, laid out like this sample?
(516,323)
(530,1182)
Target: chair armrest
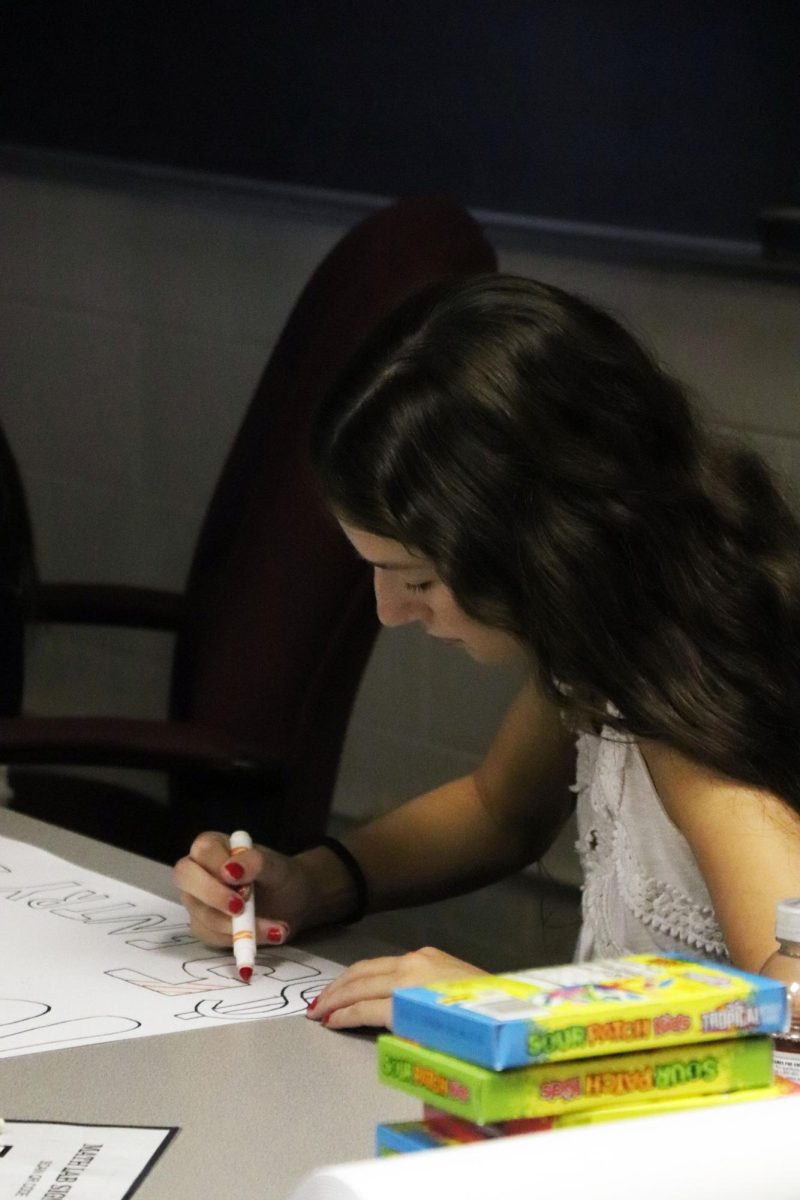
(143,744)
(108,604)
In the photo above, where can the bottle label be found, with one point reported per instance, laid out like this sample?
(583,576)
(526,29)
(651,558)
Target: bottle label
(787,1065)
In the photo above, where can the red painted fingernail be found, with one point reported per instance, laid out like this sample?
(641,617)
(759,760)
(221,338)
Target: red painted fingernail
(235,905)
(235,870)
(326,1018)
(274,934)
(313,1004)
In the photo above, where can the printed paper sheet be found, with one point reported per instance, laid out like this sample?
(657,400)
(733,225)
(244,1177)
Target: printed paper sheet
(42,1160)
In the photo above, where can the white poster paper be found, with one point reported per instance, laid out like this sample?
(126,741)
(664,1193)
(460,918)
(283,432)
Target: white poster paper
(40,1160)
(85,958)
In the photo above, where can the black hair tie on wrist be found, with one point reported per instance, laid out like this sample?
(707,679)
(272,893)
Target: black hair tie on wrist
(353,869)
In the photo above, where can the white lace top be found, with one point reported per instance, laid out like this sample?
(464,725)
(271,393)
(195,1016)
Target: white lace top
(643,890)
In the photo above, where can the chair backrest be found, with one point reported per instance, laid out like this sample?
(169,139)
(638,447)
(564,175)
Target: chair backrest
(17,580)
(280,614)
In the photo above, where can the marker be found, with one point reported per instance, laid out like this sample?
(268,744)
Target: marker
(244,926)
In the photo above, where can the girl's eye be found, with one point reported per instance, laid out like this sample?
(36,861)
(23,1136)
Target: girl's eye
(419,587)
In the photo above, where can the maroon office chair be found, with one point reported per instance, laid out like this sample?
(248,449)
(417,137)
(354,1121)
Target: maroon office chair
(277,620)
(17,580)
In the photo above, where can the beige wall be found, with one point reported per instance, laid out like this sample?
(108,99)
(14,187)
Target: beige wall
(135,322)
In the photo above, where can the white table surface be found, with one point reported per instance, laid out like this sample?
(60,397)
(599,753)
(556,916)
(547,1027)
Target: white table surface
(259,1104)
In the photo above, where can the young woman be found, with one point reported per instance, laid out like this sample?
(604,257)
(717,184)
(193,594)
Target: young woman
(527,482)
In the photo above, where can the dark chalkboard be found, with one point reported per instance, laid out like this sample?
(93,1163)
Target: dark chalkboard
(647,114)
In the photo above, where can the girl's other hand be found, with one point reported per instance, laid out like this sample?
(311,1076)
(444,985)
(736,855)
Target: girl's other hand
(362,995)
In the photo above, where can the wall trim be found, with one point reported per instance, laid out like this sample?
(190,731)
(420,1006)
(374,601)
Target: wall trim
(506,230)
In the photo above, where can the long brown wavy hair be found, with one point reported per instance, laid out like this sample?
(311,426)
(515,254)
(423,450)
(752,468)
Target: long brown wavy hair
(566,491)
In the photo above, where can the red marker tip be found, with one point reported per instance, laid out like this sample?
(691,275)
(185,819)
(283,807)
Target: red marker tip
(245,973)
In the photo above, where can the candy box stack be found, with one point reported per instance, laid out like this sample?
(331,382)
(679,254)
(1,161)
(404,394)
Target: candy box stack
(555,1046)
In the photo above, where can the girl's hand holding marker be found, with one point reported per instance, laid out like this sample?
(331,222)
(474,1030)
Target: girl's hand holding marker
(222,879)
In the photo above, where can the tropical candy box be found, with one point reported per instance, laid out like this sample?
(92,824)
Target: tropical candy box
(545,1089)
(584,1009)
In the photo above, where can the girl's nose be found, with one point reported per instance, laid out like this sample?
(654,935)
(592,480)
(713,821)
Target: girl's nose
(394,604)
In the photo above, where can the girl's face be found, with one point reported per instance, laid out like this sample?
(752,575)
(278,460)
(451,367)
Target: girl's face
(407,589)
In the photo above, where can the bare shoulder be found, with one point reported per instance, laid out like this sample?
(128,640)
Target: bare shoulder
(746,841)
(532,731)
(693,793)
(531,761)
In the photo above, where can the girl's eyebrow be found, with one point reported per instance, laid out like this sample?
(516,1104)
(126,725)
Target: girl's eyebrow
(412,565)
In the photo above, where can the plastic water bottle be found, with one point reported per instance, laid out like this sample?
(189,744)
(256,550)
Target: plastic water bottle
(784,965)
